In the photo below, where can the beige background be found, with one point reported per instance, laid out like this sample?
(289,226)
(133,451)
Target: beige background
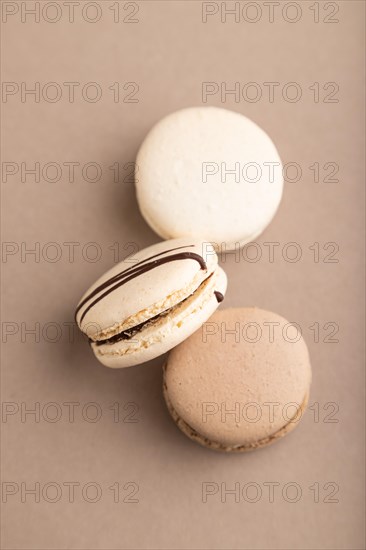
(169,53)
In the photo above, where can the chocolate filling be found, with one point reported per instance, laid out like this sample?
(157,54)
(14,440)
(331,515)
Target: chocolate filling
(219,296)
(130,332)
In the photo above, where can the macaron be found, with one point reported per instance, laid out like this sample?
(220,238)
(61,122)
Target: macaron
(209,173)
(239,383)
(149,303)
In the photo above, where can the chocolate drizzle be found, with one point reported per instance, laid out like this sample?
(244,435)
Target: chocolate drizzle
(219,296)
(134,271)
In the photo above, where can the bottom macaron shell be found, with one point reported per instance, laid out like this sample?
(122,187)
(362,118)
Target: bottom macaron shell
(216,446)
(220,247)
(168,332)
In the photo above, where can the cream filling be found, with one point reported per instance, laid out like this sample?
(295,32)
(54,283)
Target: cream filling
(159,329)
(168,302)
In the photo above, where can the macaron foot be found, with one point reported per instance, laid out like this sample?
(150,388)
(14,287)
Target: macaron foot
(192,434)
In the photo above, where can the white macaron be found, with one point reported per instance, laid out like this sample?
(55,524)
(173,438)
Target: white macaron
(146,305)
(209,173)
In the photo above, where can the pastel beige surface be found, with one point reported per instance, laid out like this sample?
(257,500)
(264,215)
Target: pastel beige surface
(141,308)
(169,53)
(239,383)
(211,173)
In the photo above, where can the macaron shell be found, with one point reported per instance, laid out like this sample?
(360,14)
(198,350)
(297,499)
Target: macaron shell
(149,293)
(172,195)
(171,331)
(222,372)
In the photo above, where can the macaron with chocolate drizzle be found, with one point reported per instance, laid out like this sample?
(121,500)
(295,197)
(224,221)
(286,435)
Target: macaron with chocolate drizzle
(152,301)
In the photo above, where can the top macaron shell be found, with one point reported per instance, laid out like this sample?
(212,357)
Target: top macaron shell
(149,293)
(175,196)
(220,373)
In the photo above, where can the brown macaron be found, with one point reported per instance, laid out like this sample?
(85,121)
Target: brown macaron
(240,382)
